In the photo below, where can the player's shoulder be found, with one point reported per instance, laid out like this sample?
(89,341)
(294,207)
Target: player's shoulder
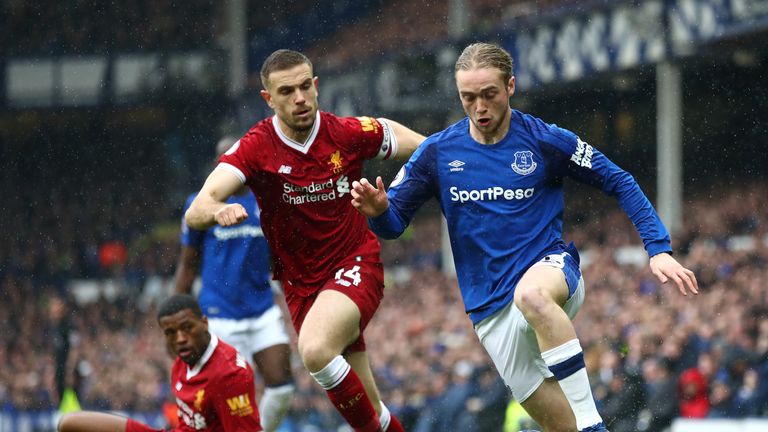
(457,132)
(362,123)
(539,129)
(263,130)
(229,361)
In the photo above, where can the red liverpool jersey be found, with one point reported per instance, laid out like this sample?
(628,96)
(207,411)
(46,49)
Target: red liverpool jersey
(303,190)
(217,394)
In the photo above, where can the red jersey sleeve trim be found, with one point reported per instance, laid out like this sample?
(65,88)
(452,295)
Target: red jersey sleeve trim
(233,169)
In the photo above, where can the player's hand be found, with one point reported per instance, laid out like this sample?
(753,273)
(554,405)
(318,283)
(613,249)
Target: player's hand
(230,214)
(367,199)
(665,268)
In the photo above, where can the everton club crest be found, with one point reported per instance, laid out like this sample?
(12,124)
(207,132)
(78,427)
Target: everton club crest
(524,163)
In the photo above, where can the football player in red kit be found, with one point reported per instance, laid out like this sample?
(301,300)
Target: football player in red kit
(300,164)
(212,382)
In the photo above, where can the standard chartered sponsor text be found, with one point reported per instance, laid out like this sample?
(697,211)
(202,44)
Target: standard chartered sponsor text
(313,192)
(488,194)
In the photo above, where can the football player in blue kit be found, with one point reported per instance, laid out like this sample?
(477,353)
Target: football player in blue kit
(236,295)
(498,176)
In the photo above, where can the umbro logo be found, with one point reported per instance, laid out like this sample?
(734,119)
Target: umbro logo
(456,165)
(284,169)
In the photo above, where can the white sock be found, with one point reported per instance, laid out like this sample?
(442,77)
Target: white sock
(384,417)
(274,405)
(567,364)
(333,373)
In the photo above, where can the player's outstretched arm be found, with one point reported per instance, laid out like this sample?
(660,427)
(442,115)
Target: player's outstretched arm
(369,200)
(665,267)
(209,206)
(408,140)
(91,421)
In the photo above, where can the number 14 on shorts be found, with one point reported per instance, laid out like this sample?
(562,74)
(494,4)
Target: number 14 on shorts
(348,277)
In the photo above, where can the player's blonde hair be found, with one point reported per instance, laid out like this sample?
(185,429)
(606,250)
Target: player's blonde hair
(485,55)
(279,60)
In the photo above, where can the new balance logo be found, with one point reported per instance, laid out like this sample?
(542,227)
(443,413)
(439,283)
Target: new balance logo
(284,169)
(456,165)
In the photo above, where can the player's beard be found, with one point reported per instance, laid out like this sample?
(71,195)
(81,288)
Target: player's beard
(303,127)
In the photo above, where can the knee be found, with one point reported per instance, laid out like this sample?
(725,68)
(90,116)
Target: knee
(532,302)
(315,354)
(65,423)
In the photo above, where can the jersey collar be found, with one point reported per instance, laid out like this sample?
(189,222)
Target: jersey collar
(204,359)
(302,147)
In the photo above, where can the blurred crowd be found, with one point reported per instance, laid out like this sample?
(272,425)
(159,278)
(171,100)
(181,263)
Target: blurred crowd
(653,354)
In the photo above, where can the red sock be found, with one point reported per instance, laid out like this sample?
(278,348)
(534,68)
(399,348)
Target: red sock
(353,404)
(394,424)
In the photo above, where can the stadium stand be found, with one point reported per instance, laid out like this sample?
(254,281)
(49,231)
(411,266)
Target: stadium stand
(82,27)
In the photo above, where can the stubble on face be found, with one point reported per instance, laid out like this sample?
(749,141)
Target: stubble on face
(293,95)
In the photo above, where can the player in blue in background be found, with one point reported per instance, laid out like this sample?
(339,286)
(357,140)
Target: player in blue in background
(236,295)
(498,177)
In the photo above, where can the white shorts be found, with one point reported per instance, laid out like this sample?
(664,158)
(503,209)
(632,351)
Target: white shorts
(511,341)
(251,335)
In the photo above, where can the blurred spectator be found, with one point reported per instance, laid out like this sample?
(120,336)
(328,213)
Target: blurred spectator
(721,400)
(747,400)
(661,407)
(693,394)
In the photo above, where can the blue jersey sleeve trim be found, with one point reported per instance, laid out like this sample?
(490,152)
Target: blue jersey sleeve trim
(658,247)
(387,225)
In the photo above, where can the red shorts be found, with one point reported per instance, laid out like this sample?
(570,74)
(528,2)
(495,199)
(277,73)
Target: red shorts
(135,426)
(362,282)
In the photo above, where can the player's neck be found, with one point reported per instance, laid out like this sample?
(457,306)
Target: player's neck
(495,136)
(300,136)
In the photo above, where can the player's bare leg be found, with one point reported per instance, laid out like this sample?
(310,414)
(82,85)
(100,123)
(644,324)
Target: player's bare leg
(540,296)
(549,408)
(274,364)
(333,323)
(86,421)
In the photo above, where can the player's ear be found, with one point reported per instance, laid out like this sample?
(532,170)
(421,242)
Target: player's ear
(511,85)
(267,98)
(315,80)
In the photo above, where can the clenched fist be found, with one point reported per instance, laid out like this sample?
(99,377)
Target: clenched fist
(230,214)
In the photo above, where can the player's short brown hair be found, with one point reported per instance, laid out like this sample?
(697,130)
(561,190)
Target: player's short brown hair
(485,55)
(279,60)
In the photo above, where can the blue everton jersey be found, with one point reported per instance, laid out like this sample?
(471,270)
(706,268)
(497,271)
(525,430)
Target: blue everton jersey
(235,264)
(504,202)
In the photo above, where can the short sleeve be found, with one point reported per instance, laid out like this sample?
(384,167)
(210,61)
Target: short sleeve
(372,137)
(235,160)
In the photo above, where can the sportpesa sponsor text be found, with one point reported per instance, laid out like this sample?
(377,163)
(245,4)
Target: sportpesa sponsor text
(489,194)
